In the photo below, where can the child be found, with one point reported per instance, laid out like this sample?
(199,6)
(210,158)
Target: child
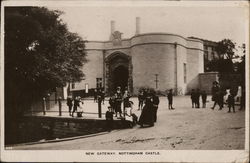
(109,119)
(130,116)
(230,101)
(204,98)
(80,108)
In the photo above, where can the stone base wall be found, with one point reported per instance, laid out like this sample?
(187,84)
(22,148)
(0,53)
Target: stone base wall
(32,129)
(206,80)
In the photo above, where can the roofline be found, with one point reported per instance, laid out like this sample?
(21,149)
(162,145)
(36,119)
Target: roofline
(204,40)
(153,33)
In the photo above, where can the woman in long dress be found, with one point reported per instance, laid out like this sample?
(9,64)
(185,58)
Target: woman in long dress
(147,113)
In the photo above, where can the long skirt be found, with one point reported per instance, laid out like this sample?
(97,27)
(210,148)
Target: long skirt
(147,116)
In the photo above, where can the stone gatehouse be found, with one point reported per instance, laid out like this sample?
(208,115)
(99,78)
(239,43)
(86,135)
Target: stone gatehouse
(157,60)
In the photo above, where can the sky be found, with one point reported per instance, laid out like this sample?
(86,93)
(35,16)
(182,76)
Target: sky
(212,22)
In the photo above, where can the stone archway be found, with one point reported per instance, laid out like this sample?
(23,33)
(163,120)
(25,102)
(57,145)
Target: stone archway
(118,72)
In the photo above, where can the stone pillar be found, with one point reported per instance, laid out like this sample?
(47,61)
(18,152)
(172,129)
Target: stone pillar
(137,32)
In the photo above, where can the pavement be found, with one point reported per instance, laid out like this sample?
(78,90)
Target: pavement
(184,128)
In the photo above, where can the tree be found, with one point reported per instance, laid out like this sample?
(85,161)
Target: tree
(225,49)
(40,54)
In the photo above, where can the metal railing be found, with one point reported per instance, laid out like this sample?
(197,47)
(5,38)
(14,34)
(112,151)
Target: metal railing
(56,106)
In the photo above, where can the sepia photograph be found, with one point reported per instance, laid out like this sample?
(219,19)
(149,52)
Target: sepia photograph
(125,81)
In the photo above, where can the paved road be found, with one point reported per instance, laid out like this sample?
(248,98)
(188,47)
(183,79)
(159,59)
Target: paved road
(183,128)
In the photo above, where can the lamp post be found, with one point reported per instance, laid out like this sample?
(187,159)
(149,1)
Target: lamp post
(60,106)
(44,106)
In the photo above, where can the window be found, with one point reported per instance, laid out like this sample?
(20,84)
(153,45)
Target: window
(98,82)
(185,72)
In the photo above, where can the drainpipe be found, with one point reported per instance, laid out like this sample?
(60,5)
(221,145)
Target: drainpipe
(104,70)
(175,71)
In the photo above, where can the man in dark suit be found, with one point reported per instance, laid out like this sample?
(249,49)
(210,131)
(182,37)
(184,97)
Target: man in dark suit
(69,104)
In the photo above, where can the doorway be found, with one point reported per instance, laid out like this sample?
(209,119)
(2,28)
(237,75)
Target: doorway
(120,77)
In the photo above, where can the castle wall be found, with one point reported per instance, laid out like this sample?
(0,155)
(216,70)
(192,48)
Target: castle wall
(92,69)
(195,66)
(157,38)
(181,59)
(152,59)
(151,53)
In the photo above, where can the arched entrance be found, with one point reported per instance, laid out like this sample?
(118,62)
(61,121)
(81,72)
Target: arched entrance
(120,77)
(118,72)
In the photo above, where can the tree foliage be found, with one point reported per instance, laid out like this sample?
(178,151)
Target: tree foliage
(224,64)
(225,49)
(40,54)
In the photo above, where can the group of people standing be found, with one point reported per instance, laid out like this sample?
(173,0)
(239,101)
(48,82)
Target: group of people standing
(148,103)
(195,98)
(116,100)
(149,109)
(76,104)
(219,96)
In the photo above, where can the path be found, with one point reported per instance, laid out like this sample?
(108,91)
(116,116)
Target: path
(183,128)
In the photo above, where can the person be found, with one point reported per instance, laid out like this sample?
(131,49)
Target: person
(146,116)
(221,98)
(109,119)
(126,97)
(112,103)
(95,95)
(99,104)
(230,101)
(140,99)
(129,114)
(215,94)
(69,104)
(80,108)
(204,98)
(197,98)
(193,98)
(239,94)
(170,99)
(226,95)
(103,96)
(155,101)
(76,104)
(118,102)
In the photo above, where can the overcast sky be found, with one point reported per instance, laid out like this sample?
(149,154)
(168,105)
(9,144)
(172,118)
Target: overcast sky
(213,22)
